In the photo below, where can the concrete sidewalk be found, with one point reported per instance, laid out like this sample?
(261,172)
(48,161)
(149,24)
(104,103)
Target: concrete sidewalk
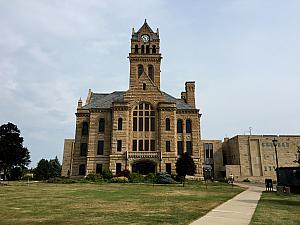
(236,211)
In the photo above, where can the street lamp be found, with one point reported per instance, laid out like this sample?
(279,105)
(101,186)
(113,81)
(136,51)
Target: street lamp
(275,146)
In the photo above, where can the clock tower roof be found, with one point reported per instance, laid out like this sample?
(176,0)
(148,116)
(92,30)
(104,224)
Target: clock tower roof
(145,28)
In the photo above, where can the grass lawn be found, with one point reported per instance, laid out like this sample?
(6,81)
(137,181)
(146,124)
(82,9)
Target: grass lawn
(87,203)
(277,209)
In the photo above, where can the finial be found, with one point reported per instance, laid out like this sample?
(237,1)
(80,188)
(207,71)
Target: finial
(145,20)
(157,31)
(79,103)
(133,31)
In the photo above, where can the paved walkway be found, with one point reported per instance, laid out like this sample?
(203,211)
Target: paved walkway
(236,211)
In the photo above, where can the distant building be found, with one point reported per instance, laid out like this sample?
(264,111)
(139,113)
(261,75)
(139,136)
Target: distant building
(142,129)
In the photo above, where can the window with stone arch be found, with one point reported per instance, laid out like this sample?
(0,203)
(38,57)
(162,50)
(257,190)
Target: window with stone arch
(151,72)
(179,126)
(140,70)
(188,126)
(143,121)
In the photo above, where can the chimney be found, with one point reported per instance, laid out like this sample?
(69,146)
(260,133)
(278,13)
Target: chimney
(190,93)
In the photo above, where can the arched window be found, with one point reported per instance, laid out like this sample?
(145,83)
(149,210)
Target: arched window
(168,127)
(188,126)
(144,86)
(140,70)
(120,124)
(179,126)
(143,121)
(147,49)
(101,125)
(85,128)
(136,49)
(153,49)
(151,72)
(143,49)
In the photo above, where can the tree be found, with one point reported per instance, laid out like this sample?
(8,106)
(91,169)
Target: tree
(47,169)
(12,152)
(55,167)
(185,165)
(42,171)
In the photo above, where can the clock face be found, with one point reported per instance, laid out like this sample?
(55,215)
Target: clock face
(145,38)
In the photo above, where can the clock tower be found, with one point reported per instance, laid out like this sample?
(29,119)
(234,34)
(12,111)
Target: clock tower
(145,56)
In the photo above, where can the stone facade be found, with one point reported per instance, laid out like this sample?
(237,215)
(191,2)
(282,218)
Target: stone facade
(140,129)
(253,156)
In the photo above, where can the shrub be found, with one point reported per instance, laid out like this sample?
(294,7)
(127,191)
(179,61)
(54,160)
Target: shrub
(61,180)
(246,180)
(165,178)
(150,178)
(124,173)
(107,174)
(119,180)
(94,177)
(136,178)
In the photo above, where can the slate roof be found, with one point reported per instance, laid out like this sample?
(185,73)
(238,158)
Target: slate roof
(104,101)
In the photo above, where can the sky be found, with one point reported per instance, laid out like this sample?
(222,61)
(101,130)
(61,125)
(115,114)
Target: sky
(243,54)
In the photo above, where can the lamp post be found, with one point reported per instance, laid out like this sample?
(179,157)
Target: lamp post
(275,146)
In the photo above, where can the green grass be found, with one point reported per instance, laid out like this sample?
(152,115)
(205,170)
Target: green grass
(86,203)
(277,209)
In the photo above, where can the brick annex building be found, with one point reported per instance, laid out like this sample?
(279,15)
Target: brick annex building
(142,129)
(145,129)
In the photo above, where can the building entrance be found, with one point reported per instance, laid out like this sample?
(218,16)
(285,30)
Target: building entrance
(143,167)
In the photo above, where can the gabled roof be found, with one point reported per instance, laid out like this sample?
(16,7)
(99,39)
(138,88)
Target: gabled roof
(105,101)
(146,26)
(153,35)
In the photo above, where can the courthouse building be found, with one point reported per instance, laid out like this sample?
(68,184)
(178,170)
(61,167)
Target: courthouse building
(142,129)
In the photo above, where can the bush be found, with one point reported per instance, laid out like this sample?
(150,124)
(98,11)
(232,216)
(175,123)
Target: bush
(107,174)
(119,180)
(136,178)
(165,178)
(94,177)
(61,180)
(124,173)
(150,178)
(246,180)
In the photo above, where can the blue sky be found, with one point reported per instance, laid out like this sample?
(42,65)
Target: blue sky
(243,55)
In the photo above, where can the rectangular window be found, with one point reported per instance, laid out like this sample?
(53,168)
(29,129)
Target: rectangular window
(98,168)
(134,124)
(211,151)
(141,124)
(152,145)
(119,145)
(168,168)
(82,169)
(83,149)
(206,150)
(118,168)
(152,124)
(168,146)
(146,145)
(189,147)
(134,145)
(140,145)
(100,150)
(146,124)
(101,125)
(179,147)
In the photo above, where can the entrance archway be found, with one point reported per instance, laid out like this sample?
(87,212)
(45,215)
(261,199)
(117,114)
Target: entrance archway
(143,167)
